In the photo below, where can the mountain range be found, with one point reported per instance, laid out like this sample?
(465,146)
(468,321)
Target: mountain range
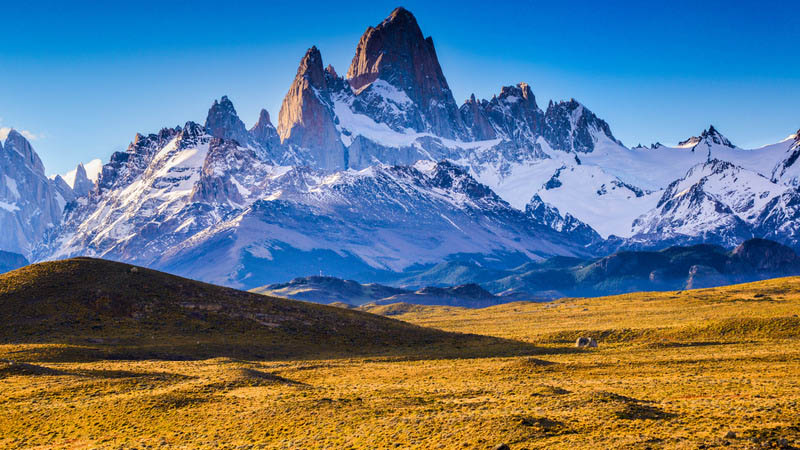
(379,175)
(673,268)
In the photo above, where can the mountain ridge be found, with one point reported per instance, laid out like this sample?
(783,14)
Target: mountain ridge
(355,161)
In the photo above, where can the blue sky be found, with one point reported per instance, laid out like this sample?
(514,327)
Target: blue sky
(83,77)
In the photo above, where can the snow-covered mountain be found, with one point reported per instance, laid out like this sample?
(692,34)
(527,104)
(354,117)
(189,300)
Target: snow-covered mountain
(181,198)
(30,203)
(372,173)
(716,202)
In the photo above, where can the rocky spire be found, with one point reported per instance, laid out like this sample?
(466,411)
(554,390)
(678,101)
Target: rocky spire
(223,122)
(17,142)
(264,132)
(710,136)
(331,71)
(63,188)
(82,185)
(475,119)
(306,119)
(396,51)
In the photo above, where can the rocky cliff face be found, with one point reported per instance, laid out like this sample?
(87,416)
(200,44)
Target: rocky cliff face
(30,203)
(82,184)
(223,122)
(265,134)
(306,120)
(396,52)
(570,126)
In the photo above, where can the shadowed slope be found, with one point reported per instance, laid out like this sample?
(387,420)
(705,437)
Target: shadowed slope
(103,309)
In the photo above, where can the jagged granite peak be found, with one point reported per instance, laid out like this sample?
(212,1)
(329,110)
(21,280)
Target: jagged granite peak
(82,184)
(710,136)
(311,68)
(17,142)
(124,167)
(514,115)
(570,126)
(30,203)
(476,119)
(223,122)
(396,52)
(331,71)
(264,132)
(306,121)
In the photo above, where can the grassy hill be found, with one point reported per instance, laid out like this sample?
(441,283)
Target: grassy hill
(711,368)
(101,309)
(758,310)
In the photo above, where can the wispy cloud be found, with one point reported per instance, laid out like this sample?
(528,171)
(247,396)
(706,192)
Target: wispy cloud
(28,135)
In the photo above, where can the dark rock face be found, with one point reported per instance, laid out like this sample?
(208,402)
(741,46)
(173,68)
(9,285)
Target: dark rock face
(764,255)
(516,115)
(224,123)
(570,126)
(306,119)
(475,118)
(123,167)
(397,52)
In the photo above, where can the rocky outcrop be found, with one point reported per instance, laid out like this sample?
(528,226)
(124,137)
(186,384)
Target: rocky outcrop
(82,184)
(265,134)
(223,122)
(63,189)
(570,126)
(396,52)
(475,118)
(123,167)
(306,119)
(710,136)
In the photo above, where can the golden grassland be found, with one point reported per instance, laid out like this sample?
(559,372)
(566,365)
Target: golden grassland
(713,368)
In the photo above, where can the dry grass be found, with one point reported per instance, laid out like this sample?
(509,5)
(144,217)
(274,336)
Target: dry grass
(673,370)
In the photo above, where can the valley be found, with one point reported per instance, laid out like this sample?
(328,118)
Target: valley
(711,368)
